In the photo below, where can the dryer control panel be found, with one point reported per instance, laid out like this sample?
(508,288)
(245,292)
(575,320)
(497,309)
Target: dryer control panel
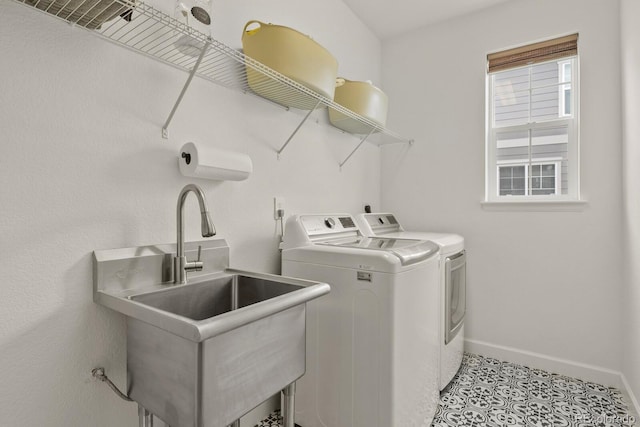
(380,223)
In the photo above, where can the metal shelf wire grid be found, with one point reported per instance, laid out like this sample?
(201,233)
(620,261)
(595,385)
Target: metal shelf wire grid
(143,29)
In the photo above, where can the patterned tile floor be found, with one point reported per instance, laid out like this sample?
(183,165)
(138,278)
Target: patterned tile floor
(489,393)
(273,420)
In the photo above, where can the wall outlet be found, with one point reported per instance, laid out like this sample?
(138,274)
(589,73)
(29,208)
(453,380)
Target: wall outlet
(278,207)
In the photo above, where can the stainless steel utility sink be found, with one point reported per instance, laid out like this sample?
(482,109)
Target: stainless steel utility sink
(205,353)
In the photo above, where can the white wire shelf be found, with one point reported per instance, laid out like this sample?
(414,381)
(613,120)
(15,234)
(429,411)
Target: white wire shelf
(143,29)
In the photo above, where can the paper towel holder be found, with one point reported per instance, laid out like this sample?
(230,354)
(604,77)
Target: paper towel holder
(208,162)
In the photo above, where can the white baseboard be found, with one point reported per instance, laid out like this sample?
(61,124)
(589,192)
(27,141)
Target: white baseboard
(631,398)
(556,365)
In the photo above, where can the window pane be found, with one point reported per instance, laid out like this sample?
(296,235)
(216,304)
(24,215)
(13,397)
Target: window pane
(511,97)
(541,182)
(549,144)
(518,184)
(512,147)
(549,183)
(512,181)
(511,107)
(535,182)
(538,93)
(545,104)
(544,74)
(567,100)
(515,77)
(518,172)
(566,72)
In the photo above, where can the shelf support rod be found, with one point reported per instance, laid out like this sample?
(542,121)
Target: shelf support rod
(165,128)
(298,128)
(356,149)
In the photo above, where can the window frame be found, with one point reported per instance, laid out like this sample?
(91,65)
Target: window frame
(492,190)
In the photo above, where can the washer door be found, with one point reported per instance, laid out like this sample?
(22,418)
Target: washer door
(455,299)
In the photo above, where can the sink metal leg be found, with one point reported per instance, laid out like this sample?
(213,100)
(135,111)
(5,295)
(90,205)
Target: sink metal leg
(288,405)
(145,417)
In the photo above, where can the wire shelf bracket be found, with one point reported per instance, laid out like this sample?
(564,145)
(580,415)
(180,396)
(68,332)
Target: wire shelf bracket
(409,142)
(298,128)
(357,147)
(194,70)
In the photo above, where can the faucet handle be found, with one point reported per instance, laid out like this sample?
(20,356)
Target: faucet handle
(195,265)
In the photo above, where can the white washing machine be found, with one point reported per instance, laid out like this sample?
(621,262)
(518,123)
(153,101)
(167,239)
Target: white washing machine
(372,342)
(452,285)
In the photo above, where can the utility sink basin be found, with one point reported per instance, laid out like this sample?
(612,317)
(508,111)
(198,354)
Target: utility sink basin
(210,298)
(205,353)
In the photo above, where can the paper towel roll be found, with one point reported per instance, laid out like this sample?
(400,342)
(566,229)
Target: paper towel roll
(213,163)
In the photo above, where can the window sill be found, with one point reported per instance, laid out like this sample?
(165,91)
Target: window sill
(536,205)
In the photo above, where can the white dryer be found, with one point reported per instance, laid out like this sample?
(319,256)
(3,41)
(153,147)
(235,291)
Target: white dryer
(372,342)
(452,285)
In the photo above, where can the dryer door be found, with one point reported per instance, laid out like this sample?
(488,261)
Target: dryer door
(455,299)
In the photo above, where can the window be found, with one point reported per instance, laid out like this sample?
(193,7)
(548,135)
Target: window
(512,180)
(521,179)
(532,126)
(543,179)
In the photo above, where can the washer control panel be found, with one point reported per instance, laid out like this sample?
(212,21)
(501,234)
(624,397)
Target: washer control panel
(315,225)
(330,222)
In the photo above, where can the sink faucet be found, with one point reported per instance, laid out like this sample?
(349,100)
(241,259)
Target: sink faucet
(180,263)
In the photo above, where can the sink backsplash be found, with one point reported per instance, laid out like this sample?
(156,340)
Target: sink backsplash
(126,271)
